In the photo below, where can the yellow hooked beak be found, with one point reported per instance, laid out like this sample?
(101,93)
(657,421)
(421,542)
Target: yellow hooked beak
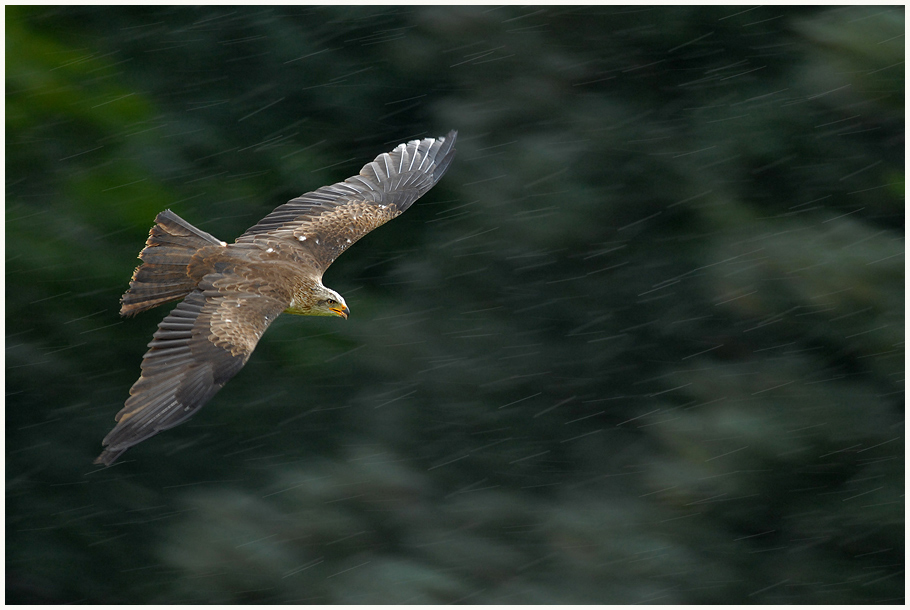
(340,310)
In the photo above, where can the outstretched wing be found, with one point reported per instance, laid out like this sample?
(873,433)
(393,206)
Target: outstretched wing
(328,220)
(197,348)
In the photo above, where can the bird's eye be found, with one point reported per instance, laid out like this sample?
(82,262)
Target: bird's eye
(331,301)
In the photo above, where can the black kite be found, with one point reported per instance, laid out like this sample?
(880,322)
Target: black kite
(232,292)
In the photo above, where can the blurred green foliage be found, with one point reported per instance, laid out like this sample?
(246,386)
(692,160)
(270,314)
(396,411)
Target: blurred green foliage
(643,343)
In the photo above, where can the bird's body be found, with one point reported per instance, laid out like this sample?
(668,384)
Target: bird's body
(232,292)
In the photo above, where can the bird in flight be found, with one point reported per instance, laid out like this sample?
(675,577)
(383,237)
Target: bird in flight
(232,292)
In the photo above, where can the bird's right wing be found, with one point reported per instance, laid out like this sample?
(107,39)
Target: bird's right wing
(328,220)
(197,349)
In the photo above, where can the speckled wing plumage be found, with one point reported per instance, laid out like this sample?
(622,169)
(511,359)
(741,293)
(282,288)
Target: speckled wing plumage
(197,349)
(330,219)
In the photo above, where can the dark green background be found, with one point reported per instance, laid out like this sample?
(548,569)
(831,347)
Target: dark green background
(643,343)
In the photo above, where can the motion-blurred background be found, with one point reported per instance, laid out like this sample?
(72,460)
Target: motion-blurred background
(643,343)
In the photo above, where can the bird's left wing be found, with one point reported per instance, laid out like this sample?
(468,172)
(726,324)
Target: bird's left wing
(197,349)
(325,222)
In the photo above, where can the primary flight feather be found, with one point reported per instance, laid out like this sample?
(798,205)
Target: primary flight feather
(232,292)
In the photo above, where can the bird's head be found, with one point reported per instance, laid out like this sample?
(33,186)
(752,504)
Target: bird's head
(329,303)
(314,299)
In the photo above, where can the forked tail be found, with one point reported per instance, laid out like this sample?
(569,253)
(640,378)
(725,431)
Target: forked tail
(162,276)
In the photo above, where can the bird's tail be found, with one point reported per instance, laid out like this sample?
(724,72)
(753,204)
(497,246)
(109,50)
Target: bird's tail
(163,276)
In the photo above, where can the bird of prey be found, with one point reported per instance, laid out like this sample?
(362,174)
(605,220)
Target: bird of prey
(232,292)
